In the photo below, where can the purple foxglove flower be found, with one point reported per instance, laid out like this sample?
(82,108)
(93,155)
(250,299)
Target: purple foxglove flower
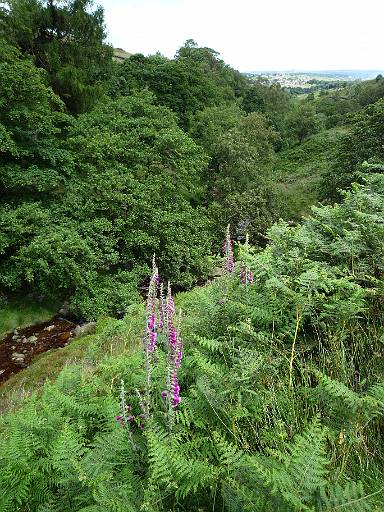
(152,322)
(242,274)
(152,341)
(171,306)
(173,337)
(231,262)
(179,357)
(228,263)
(176,400)
(250,277)
(130,418)
(170,302)
(164,393)
(141,426)
(175,390)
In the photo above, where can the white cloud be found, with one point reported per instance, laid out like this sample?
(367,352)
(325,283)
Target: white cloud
(272,34)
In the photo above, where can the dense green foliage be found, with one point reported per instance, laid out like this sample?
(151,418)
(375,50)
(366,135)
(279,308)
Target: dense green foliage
(109,207)
(301,170)
(103,164)
(362,145)
(281,384)
(195,79)
(67,40)
(337,104)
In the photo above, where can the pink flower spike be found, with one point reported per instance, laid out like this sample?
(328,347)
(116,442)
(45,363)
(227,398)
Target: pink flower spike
(228,262)
(176,400)
(170,305)
(179,357)
(152,322)
(152,341)
(242,274)
(176,390)
(173,337)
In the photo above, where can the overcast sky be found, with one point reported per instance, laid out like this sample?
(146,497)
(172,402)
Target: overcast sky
(253,34)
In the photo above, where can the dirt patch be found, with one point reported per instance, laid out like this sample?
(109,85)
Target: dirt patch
(18,348)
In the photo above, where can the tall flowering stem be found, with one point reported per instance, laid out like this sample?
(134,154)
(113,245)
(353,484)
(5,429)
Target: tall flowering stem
(160,325)
(174,346)
(149,338)
(246,275)
(228,262)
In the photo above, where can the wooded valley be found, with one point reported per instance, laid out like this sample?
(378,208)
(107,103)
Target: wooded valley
(227,237)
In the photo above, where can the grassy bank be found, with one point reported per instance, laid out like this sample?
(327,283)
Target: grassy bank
(298,171)
(20,311)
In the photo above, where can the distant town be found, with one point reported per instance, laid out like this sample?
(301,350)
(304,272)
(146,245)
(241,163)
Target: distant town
(308,81)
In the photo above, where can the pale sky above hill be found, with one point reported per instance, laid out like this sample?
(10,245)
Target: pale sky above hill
(253,34)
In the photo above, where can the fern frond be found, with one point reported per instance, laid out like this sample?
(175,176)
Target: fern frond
(206,366)
(368,406)
(229,455)
(350,498)
(339,391)
(211,345)
(307,461)
(171,468)
(377,392)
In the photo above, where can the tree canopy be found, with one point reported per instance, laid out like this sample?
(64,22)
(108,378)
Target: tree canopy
(65,38)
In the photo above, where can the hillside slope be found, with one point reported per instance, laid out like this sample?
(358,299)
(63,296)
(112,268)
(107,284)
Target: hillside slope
(281,383)
(298,171)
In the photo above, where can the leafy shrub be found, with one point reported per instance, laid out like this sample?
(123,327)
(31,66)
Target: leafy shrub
(362,143)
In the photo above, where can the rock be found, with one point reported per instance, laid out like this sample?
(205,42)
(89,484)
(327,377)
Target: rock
(15,337)
(13,347)
(49,328)
(2,371)
(32,339)
(83,330)
(18,358)
(16,332)
(64,310)
(64,336)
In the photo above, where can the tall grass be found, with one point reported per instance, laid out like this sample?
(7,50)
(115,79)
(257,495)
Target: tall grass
(22,311)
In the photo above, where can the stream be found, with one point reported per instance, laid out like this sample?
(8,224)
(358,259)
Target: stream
(19,347)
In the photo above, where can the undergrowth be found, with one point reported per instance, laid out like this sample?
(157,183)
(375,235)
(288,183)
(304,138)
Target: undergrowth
(281,386)
(299,170)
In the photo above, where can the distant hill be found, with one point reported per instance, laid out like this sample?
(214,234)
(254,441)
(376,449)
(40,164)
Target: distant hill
(120,55)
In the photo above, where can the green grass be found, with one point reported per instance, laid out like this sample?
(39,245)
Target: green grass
(23,311)
(298,171)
